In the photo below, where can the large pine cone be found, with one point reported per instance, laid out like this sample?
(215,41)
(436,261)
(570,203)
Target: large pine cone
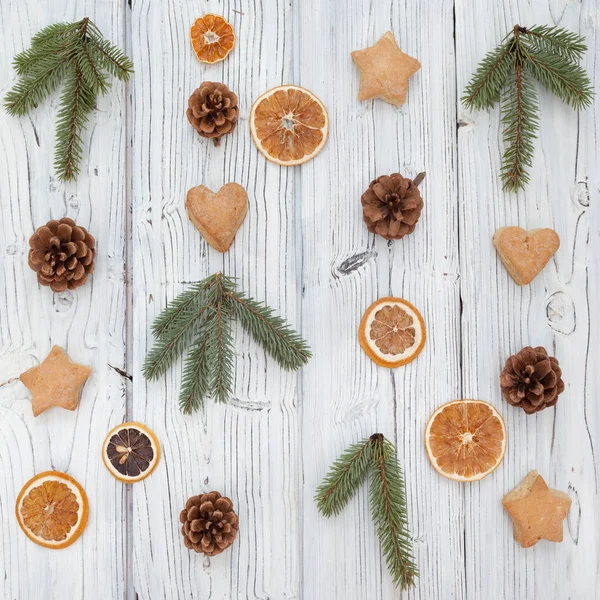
(213,110)
(532,380)
(392,205)
(62,254)
(209,523)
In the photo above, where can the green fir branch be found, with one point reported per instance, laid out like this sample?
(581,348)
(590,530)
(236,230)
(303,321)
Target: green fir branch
(557,40)
(220,354)
(196,377)
(77,55)
(519,116)
(548,54)
(286,346)
(201,319)
(566,80)
(344,478)
(488,80)
(76,103)
(390,514)
(39,82)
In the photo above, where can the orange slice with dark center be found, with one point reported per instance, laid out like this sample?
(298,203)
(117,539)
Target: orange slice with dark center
(52,509)
(465,439)
(289,125)
(212,38)
(131,452)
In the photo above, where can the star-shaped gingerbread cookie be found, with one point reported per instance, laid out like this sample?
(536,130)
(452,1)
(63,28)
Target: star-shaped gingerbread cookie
(537,512)
(384,71)
(57,381)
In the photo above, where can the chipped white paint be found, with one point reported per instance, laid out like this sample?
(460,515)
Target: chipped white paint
(304,249)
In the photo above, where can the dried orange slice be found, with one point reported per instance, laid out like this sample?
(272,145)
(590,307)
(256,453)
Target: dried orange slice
(52,509)
(465,439)
(131,452)
(289,125)
(212,37)
(392,332)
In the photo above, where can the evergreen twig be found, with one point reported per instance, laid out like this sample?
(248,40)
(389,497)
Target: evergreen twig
(548,54)
(387,499)
(389,511)
(201,318)
(344,477)
(76,54)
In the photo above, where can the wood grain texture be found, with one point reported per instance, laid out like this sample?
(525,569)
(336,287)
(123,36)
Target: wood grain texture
(89,323)
(304,249)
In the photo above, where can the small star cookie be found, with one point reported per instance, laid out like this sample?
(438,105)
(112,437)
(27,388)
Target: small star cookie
(537,512)
(384,71)
(57,381)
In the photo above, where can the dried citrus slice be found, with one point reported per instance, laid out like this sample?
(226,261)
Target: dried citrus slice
(52,509)
(465,439)
(131,452)
(289,125)
(212,37)
(392,332)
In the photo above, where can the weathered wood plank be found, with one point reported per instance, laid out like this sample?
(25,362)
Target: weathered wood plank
(88,323)
(345,395)
(248,449)
(555,311)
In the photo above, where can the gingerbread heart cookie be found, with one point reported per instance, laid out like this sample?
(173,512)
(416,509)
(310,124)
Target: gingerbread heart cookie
(525,253)
(217,215)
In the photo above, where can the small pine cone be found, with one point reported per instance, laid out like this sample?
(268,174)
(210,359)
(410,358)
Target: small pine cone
(213,110)
(209,523)
(532,380)
(392,205)
(62,254)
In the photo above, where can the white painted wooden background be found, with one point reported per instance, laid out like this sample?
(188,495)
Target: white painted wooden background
(305,250)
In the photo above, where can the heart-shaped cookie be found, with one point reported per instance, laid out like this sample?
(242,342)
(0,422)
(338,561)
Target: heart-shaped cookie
(525,253)
(217,216)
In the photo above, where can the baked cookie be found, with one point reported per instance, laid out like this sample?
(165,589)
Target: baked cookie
(537,512)
(384,71)
(217,216)
(525,253)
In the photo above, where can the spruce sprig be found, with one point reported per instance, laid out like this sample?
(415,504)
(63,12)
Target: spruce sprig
(548,54)
(76,55)
(387,497)
(201,319)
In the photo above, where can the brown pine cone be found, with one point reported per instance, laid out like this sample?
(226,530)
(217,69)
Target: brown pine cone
(532,380)
(392,205)
(213,110)
(209,523)
(62,254)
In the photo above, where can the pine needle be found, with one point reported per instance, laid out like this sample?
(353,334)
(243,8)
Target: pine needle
(548,54)
(76,55)
(389,511)
(201,319)
(344,477)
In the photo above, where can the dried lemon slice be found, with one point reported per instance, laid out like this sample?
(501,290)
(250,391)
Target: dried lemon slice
(131,452)
(52,509)
(392,332)
(212,38)
(289,125)
(465,439)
